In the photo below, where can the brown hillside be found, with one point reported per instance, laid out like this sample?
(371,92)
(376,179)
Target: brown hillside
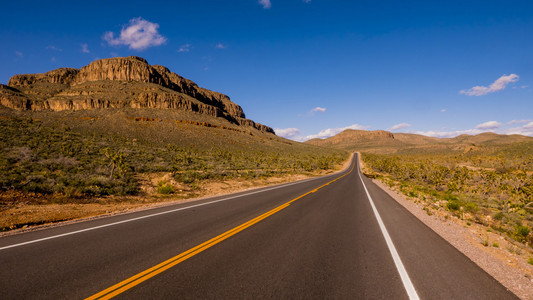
(490,138)
(416,139)
(380,141)
(351,139)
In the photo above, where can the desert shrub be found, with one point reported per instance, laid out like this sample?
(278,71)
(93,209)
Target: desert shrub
(453,205)
(164,188)
(499,216)
(522,231)
(471,207)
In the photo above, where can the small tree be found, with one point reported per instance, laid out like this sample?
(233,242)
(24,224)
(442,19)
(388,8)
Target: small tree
(116,161)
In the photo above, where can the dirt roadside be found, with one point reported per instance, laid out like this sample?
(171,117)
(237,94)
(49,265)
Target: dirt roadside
(502,258)
(22,216)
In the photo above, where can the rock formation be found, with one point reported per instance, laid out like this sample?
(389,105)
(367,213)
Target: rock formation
(117,83)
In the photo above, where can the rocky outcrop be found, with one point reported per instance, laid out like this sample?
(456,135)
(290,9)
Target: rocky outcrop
(64,76)
(137,69)
(157,100)
(248,122)
(13,98)
(117,83)
(118,69)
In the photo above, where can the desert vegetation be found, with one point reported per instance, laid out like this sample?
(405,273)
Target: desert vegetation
(489,185)
(122,131)
(42,159)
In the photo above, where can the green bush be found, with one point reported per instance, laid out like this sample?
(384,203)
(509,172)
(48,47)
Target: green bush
(471,207)
(522,231)
(164,188)
(453,205)
(499,216)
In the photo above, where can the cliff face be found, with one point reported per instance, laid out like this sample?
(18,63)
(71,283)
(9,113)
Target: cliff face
(60,76)
(117,83)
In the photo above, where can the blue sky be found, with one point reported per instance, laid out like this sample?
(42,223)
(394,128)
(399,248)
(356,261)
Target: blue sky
(307,68)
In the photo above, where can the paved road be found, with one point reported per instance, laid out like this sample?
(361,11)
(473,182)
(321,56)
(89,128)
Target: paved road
(270,243)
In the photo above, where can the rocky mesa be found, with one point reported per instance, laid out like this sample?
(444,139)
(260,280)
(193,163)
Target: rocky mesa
(118,83)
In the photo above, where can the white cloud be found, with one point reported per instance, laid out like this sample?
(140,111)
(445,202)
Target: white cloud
(400,126)
(528,125)
(490,125)
(266,3)
(497,85)
(447,134)
(287,132)
(519,122)
(318,109)
(526,129)
(54,48)
(138,35)
(19,54)
(185,48)
(333,131)
(313,111)
(220,46)
(443,110)
(85,48)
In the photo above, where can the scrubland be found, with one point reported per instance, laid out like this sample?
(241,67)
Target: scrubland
(81,158)
(490,185)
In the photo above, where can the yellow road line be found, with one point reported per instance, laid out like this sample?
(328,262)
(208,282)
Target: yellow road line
(167,264)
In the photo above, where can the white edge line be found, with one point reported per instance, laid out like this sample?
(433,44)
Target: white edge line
(160,213)
(408,285)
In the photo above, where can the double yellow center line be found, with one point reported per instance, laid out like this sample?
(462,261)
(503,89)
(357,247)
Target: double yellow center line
(169,263)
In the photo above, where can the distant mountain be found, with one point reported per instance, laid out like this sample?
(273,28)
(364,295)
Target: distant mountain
(117,83)
(387,142)
(490,138)
(350,139)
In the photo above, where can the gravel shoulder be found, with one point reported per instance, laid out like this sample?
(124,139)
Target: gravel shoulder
(502,258)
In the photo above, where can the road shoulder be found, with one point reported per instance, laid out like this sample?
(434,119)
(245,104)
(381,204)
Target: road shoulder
(510,269)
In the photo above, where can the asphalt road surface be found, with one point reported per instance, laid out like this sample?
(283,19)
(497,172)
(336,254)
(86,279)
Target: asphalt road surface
(316,239)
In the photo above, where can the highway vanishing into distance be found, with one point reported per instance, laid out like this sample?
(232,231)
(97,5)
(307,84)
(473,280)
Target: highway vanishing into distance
(338,236)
